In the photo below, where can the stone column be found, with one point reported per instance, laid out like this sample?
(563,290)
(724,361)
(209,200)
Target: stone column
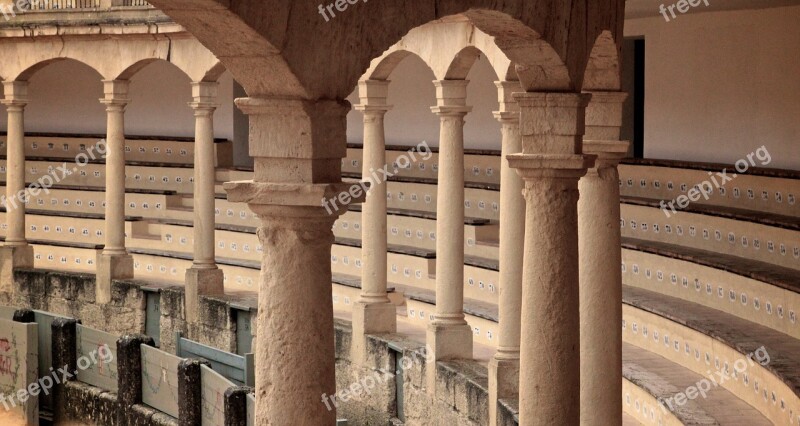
(373,312)
(297,192)
(114,262)
(600,258)
(504,366)
(449,336)
(16,252)
(204,277)
(551,162)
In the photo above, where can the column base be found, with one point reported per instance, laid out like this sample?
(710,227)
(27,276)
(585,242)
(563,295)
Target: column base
(503,383)
(111,267)
(370,318)
(201,282)
(12,257)
(446,341)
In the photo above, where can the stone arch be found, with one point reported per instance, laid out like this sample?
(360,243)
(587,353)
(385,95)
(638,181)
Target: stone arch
(451,46)
(288,50)
(27,73)
(603,66)
(462,63)
(385,65)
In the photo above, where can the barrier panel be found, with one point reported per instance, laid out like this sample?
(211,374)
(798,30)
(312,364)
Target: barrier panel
(160,380)
(44,320)
(251,409)
(213,395)
(19,358)
(237,368)
(101,349)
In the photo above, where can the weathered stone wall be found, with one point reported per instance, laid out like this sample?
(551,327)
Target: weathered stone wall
(73,295)
(461,386)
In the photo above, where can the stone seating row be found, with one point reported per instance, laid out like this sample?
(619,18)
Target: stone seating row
(171,151)
(757,190)
(93,176)
(778,244)
(672,345)
(413,268)
(761,366)
(154,266)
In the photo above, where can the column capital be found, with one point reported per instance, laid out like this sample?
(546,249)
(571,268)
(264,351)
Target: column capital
(609,153)
(451,98)
(296,140)
(371,109)
(604,115)
(552,123)
(204,97)
(532,166)
(330,198)
(506,117)
(16,94)
(505,96)
(116,94)
(372,95)
(608,97)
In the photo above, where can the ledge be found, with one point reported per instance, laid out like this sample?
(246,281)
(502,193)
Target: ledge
(779,276)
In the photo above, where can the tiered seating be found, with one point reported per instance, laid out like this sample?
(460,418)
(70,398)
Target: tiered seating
(738,265)
(720,278)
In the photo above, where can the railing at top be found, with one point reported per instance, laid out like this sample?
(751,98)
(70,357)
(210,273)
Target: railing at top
(83,4)
(64,4)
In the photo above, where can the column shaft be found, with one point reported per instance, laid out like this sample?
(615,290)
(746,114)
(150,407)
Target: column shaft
(600,258)
(600,298)
(204,180)
(450,222)
(504,366)
(449,336)
(295,358)
(512,242)
(552,126)
(114,262)
(15,176)
(373,216)
(115,180)
(204,277)
(15,252)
